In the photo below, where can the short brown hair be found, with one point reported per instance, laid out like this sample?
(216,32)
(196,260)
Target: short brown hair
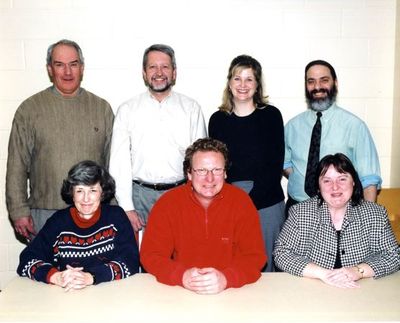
(204,144)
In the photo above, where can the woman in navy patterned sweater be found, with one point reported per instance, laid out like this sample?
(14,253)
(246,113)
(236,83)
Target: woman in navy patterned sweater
(88,243)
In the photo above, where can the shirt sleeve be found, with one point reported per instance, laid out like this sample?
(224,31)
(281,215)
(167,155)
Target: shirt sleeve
(212,129)
(158,246)
(384,258)
(286,255)
(217,125)
(20,147)
(36,260)
(109,119)
(198,124)
(120,159)
(287,163)
(366,158)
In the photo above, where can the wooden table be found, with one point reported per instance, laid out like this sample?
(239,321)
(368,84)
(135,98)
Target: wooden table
(276,297)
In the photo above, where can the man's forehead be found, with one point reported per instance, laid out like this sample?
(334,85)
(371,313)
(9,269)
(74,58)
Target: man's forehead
(63,51)
(201,156)
(156,55)
(318,71)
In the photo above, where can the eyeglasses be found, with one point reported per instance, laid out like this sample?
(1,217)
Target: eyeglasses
(204,172)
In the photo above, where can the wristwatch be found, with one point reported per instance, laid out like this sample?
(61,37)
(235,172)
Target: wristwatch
(360,270)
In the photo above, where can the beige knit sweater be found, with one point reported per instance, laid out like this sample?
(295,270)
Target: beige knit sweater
(49,135)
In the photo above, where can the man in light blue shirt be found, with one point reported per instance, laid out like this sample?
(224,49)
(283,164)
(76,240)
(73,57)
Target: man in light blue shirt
(341,132)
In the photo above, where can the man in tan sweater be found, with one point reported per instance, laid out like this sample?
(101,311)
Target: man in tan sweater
(51,131)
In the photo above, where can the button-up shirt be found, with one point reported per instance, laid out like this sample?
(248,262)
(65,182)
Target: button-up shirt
(149,141)
(341,132)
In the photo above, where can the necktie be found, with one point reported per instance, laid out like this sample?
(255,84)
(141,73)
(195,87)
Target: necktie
(310,186)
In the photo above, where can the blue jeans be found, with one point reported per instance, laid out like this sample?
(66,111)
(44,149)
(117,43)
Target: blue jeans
(272,219)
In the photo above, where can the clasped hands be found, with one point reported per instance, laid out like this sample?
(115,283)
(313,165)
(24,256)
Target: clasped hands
(72,278)
(204,280)
(342,278)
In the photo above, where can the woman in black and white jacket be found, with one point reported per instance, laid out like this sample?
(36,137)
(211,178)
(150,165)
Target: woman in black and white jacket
(337,236)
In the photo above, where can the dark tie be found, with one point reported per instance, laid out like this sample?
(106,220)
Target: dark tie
(310,185)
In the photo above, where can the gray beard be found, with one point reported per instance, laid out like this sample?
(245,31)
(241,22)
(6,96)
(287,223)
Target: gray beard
(165,88)
(320,105)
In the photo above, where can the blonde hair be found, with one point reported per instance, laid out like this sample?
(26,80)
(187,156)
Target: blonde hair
(238,64)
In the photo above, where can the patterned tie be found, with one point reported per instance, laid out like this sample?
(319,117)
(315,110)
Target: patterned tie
(313,158)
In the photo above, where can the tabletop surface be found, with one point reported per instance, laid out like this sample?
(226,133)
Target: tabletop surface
(276,297)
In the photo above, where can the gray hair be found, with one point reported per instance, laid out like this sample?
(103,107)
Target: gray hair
(160,48)
(67,43)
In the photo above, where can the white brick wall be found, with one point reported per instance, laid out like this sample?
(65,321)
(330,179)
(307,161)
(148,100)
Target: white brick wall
(356,36)
(395,154)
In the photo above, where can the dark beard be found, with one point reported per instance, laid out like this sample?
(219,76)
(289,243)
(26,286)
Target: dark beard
(321,104)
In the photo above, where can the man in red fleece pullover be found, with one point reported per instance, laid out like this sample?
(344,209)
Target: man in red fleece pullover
(204,235)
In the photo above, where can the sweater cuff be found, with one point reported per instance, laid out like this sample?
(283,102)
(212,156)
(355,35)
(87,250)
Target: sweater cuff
(20,212)
(50,273)
(101,274)
(177,276)
(232,279)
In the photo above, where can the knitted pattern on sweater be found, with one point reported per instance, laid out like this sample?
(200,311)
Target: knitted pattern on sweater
(106,249)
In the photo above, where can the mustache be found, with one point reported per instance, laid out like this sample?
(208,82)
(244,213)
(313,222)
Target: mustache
(319,91)
(163,77)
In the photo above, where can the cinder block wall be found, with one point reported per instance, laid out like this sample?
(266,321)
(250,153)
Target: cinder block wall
(395,153)
(356,36)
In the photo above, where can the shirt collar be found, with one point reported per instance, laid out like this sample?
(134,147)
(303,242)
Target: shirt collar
(349,216)
(55,91)
(326,115)
(217,197)
(153,97)
(84,223)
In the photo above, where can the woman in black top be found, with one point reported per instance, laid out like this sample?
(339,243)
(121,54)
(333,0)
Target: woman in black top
(253,132)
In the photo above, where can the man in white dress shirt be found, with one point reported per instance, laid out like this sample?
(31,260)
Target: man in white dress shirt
(150,135)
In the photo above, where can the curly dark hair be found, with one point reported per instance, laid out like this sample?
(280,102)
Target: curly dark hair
(88,172)
(323,63)
(343,165)
(204,144)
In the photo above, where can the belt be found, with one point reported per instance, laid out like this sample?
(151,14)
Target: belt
(159,186)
